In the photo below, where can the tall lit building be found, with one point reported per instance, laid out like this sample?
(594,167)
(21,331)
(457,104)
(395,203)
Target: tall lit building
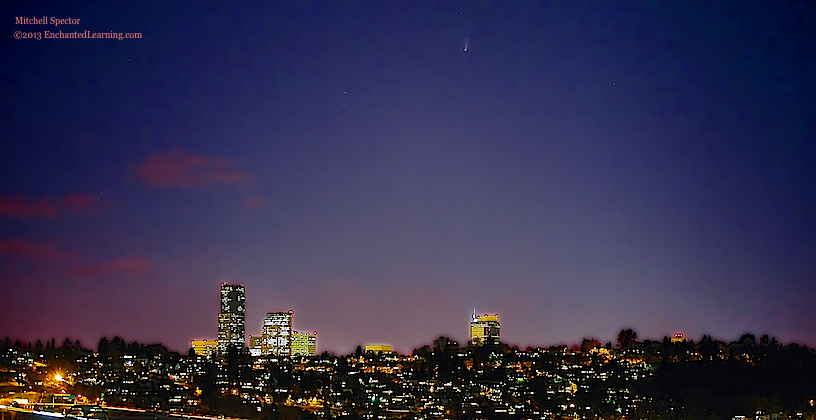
(231,318)
(204,347)
(484,329)
(277,334)
(304,344)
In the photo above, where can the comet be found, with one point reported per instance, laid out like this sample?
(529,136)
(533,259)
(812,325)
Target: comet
(465,44)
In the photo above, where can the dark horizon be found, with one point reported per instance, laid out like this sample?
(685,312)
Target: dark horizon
(382,168)
(430,342)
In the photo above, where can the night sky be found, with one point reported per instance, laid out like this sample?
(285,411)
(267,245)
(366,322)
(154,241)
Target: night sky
(583,167)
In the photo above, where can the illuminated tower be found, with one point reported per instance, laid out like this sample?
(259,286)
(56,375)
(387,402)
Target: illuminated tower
(484,329)
(277,334)
(231,318)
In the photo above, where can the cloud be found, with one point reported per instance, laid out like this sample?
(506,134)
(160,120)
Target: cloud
(33,250)
(254,201)
(21,207)
(71,264)
(177,168)
(135,267)
(78,203)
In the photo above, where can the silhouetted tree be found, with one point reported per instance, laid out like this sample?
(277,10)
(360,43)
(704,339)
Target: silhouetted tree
(648,350)
(748,339)
(102,350)
(708,348)
(423,352)
(117,348)
(588,344)
(667,350)
(626,338)
(49,349)
(67,349)
(445,344)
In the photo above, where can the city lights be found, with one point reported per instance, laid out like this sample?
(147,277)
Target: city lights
(484,378)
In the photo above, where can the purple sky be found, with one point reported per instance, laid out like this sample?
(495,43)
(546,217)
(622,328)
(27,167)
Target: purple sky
(583,167)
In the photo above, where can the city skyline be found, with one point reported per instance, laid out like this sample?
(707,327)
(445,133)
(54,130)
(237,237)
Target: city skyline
(648,380)
(480,328)
(382,168)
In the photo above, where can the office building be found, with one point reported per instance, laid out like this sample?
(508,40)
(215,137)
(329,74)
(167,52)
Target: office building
(277,334)
(376,348)
(304,344)
(484,329)
(231,318)
(204,347)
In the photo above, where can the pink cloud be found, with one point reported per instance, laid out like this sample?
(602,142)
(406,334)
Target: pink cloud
(177,168)
(254,201)
(78,203)
(21,207)
(32,250)
(46,255)
(135,267)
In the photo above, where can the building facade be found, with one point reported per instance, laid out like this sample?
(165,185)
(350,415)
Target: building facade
(231,317)
(204,347)
(484,329)
(277,334)
(376,348)
(304,344)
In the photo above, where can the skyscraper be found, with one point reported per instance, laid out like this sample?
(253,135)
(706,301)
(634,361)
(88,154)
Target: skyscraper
(231,318)
(484,329)
(304,344)
(277,334)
